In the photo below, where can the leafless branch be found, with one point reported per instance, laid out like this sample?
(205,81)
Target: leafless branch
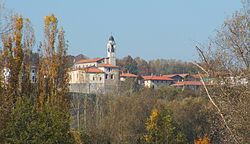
(212,101)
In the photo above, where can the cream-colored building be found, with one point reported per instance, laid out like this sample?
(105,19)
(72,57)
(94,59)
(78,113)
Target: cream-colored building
(99,75)
(156,81)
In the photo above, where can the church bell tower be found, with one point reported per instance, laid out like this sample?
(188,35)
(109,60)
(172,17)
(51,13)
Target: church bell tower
(111,50)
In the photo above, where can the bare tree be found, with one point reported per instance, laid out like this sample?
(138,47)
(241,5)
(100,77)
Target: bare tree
(227,60)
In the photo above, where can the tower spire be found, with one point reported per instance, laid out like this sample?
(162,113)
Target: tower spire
(111,49)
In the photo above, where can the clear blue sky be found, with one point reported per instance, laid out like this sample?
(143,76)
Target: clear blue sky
(149,29)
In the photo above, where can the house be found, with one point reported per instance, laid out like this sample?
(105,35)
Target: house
(175,77)
(98,75)
(181,77)
(125,76)
(193,85)
(6,73)
(156,81)
(33,74)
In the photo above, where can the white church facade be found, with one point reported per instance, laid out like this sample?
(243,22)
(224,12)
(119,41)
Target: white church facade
(99,75)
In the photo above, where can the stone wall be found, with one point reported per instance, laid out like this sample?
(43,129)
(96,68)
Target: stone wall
(93,88)
(87,88)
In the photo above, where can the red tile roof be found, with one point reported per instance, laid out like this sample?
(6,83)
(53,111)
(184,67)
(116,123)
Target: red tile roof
(157,78)
(107,65)
(89,60)
(93,70)
(128,75)
(188,83)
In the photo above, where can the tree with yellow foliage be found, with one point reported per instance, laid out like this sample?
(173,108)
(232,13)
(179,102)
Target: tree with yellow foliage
(13,57)
(161,128)
(53,78)
(12,82)
(204,140)
(25,121)
(16,47)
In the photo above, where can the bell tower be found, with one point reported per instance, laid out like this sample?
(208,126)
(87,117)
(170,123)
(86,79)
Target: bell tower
(111,50)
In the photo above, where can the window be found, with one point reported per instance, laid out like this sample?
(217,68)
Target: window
(112,49)
(100,78)
(33,71)
(93,78)
(106,76)
(109,69)
(33,79)
(112,76)
(70,77)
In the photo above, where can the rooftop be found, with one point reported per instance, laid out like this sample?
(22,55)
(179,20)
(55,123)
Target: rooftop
(128,75)
(89,60)
(107,65)
(93,70)
(157,78)
(181,75)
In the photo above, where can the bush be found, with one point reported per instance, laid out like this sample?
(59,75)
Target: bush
(29,125)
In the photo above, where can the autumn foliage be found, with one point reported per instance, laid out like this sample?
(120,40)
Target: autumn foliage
(204,140)
(53,78)
(34,112)
(161,128)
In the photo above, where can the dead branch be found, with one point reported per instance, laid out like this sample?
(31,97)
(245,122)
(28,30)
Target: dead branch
(212,101)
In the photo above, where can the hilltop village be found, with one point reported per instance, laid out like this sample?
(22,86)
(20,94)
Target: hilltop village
(102,75)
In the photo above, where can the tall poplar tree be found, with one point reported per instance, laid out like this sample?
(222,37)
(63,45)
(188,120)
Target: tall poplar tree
(53,77)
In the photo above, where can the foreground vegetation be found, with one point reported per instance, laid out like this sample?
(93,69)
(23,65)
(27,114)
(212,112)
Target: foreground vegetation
(33,112)
(165,115)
